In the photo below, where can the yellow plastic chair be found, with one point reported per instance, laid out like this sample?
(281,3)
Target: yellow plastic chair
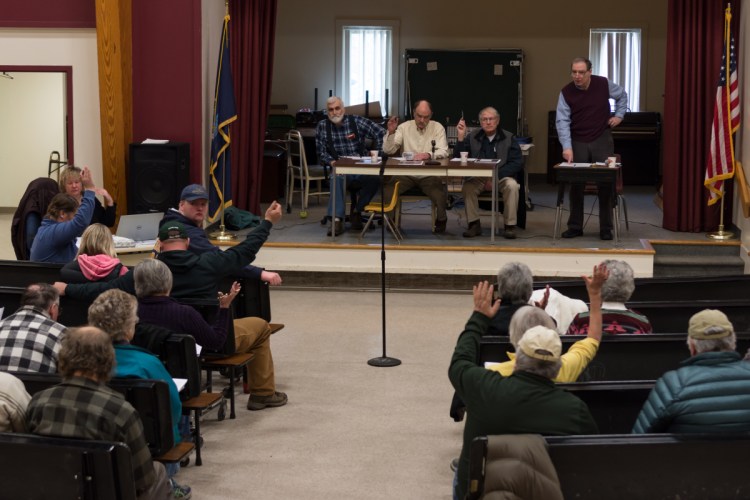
(376,208)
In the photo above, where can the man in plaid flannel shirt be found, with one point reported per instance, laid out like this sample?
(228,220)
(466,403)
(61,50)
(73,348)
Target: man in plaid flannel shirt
(82,406)
(30,338)
(345,135)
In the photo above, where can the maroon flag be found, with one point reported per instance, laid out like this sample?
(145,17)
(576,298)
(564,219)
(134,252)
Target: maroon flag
(726,118)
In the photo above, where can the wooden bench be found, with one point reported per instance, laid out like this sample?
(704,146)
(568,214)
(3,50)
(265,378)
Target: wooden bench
(659,289)
(646,466)
(615,406)
(149,397)
(40,467)
(620,357)
(672,316)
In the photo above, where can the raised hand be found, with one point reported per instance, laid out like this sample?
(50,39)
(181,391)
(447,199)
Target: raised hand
(484,299)
(225,299)
(273,213)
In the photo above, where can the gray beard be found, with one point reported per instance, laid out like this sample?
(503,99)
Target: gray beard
(336,119)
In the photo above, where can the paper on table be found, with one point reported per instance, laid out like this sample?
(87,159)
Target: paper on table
(488,160)
(155,141)
(460,159)
(576,165)
(411,162)
(180,383)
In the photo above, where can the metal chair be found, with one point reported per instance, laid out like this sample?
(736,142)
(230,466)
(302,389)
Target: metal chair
(377,207)
(298,169)
(591,188)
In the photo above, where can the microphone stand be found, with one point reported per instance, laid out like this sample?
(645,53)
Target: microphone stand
(432,160)
(384,360)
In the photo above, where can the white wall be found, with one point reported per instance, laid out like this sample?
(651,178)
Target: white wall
(52,47)
(32,107)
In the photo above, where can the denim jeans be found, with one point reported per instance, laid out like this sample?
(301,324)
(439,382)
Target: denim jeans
(370,184)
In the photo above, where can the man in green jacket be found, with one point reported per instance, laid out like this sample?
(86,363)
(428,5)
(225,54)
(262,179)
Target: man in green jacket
(709,392)
(527,402)
(195,276)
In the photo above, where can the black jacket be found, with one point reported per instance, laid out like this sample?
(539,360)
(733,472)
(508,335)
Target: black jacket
(194,276)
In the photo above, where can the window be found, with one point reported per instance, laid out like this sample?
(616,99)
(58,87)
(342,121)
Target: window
(366,55)
(616,54)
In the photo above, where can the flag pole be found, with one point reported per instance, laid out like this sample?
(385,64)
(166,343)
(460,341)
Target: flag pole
(721,234)
(222,234)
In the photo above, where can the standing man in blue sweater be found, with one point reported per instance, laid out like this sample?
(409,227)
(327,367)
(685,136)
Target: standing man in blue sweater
(584,122)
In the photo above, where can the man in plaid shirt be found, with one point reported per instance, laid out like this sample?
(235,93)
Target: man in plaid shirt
(344,135)
(30,338)
(83,407)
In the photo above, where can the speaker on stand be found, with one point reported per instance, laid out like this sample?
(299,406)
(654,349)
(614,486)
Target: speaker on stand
(156,176)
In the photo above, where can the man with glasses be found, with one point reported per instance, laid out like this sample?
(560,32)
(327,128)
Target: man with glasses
(584,120)
(427,140)
(346,135)
(30,338)
(493,143)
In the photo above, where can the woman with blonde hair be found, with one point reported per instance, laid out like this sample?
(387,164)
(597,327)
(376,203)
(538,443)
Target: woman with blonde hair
(71,183)
(96,260)
(65,220)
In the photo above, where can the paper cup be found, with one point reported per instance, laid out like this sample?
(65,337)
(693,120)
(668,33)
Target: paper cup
(612,161)
(464,157)
(374,155)
(408,155)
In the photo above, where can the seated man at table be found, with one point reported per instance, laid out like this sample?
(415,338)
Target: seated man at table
(426,139)
(495,143)
(708,392)
(344,135)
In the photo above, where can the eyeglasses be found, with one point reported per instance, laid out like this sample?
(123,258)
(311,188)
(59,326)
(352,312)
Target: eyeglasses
(574,73)
(488,119)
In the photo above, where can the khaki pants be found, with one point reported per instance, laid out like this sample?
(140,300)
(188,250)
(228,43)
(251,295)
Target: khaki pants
(508,187)
(431,186)
(253,336)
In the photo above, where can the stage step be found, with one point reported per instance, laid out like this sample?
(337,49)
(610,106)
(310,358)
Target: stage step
(697,258)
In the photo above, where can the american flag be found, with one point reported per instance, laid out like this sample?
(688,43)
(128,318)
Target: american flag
(726,119)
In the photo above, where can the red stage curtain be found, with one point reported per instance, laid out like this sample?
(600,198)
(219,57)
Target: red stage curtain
(253,31)
(695,32)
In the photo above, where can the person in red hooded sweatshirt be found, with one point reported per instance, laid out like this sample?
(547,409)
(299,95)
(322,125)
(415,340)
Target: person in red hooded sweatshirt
(96,260)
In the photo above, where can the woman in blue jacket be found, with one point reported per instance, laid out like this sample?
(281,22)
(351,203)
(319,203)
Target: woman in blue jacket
(64,222)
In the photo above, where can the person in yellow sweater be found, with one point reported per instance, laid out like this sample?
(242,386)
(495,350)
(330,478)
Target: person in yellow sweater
(582,352)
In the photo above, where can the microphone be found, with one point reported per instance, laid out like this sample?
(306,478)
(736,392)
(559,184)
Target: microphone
(432,161)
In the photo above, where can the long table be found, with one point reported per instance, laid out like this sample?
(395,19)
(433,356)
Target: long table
(395,166)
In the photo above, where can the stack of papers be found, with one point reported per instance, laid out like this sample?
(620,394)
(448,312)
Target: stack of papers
(577,165)
(121,242)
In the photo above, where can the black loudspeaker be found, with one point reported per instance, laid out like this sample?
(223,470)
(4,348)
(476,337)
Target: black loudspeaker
(156,176)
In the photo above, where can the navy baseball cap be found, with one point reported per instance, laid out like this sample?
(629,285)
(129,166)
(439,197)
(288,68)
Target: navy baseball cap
(194,192)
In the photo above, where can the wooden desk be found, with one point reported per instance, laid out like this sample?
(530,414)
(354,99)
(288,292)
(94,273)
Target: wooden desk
(394,166)
(580,175)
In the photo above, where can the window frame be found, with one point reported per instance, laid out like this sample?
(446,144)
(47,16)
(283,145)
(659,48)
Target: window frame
(633,105)
(341,84)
